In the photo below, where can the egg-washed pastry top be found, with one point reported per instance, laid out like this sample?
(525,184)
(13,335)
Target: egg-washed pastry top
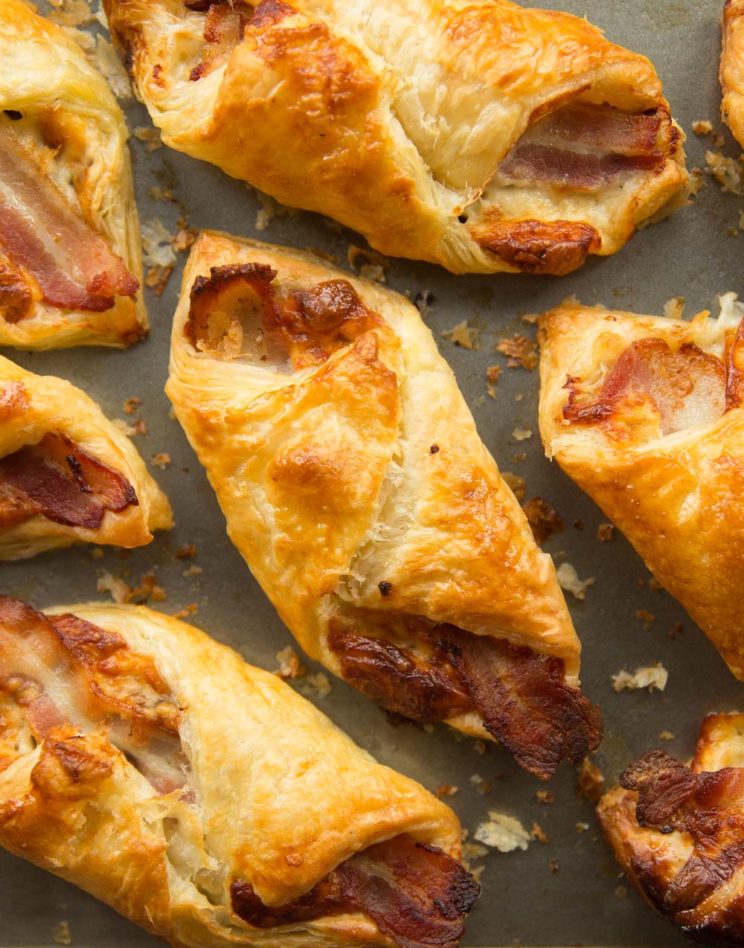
(677,832)
(732,68)
(70,255)
(646,414)
(355,485)
(68,474)
(472,133)
(203,798)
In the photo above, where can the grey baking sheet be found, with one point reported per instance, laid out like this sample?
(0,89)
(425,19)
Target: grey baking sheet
(525,900)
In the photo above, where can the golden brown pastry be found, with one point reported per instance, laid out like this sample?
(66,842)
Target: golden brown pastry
(356,487)
(67,473)
(481,136)
(70,256)
(203,798)
(732,68)
(678,832)
(646,415)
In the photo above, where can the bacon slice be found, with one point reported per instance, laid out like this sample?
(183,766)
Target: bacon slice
(521,696)
(62,671)
(583,147)
(416,894)
(72,263)
(708,806)
(56,479)
(686,387)
(237,310)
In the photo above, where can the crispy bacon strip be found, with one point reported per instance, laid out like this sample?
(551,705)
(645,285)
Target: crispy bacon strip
(224,23)
(416,894)
(62,671)
(56,479)
(521,696)
(236,309)
(72,263)
(584,147)
(687,387)
(708,806)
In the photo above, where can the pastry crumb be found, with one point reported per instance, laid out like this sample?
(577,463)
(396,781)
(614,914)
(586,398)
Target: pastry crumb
(666,736)
(190,610)
(131,405)
(192,571)
(728,172)
(653,677)
(462,335)
(522,434)
(545,796)
(554,866)
(149,136)
(590,780)
(539,834)
(702,127)
(646,617)
(521,351)
(517,484)
(569,581)
(271,208)
(605,532)
(423,302)
(162,459)
(446,790)
(61,934)
(367,263)
(502,832)
(582,827)
(316,684)
(480,784)
(543,519)
(186,551)
(119,590)
(290,665)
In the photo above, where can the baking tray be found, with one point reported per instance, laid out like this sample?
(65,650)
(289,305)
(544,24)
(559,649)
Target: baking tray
(567,891)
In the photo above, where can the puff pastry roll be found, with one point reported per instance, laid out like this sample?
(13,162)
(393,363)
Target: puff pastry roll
(67,474)
(209,822)
(481,136)
(732,68)
(355,485)
(70,256)
(677,832)
(646,415)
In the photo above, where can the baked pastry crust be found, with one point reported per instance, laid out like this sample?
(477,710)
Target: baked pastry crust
(732,68)
(676,832)
(60,112)
(645,414)
(417,150)
(355,485)
(124,769)
(47,421)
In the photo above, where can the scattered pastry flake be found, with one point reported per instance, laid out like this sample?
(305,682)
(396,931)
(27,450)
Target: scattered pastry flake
(424,302)
(653,677)
(582,827)
(185,237)
(521,434)
(605,532)
(674,307)
(186,551)
(447,790)
(270,209)
(502,832)
(702,127)
(520,351)
(149,590)
(138,428)
(131,405)
(368,263)
(290,665)
(61,934)
(728,172)
(316,684)
(481,785)
(554,866)
(96,553)
(492,376)
(545,796)
(158,193)
(480,747)
(70,12)
(162,459)
(666,736)
(150,136)
(187,611)
(696,182)
(192,570)
(676,630)
(157,244)
(590,780)
(539,833)
(620,891)
(646,617)
(543,519)
(516,483)
(569,581)
(471,852)
(119,590)
(113,70)
(519,457)
(462,335)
